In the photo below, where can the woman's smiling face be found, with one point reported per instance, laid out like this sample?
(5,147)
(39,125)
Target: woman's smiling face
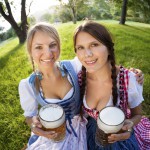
(44,50)
(92,54)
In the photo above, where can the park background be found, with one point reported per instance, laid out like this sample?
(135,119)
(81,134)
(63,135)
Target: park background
(127,20)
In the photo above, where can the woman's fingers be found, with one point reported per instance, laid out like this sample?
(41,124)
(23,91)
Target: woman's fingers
(128,124)
(40,132)
(138,74)
(36,122)
(126,132)
(140,79)
(50,134)
(134,70)
(118,137)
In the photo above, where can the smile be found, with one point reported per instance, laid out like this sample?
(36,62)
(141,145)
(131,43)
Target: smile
(47,60)
(91,62)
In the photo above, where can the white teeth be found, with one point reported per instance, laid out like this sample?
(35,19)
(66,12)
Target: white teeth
(47,60)
(90,62)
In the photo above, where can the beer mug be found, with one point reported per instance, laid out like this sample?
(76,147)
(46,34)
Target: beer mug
(110,120)
(52,118)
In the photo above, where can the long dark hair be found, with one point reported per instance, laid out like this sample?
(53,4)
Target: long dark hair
(100,33)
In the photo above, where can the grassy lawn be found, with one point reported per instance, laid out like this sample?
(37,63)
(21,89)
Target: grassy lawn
(132,49)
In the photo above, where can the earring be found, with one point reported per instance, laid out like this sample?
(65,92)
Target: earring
(39,75)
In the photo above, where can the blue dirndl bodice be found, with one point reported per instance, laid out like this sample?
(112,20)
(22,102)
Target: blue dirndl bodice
(71,105)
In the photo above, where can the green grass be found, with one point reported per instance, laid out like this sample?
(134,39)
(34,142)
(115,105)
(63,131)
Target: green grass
(132,49)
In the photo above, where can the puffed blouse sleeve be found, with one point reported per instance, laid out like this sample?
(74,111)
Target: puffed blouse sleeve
(27,99)
(135,91)
(76,65)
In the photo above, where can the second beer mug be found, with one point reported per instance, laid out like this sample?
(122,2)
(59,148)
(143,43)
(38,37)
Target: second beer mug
(110,120)
(52,118)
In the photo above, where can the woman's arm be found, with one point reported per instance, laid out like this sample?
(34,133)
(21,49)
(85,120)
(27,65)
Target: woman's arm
(136,114)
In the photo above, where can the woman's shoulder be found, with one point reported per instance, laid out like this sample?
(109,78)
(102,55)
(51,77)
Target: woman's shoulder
(75,63)
(24,83)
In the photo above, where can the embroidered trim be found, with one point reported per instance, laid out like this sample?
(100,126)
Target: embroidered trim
(123,91)
(92,112)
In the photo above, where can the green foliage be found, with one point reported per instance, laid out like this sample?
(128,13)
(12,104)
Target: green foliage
(46,17)
(99,9)
(141,9)
(137,11)
(8,34)
(31,20)
(64,14)
(131,47)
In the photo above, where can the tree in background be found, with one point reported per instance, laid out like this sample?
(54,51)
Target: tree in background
(47,17)
(31,20)
(74,6)
(101,9)
(119,7)
(19,28)
(62,14)
(75,10)
(123,12)
(131,10)
(140,10)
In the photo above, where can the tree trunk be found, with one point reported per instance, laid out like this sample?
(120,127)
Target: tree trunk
(21,36)
(74,15)
(24,22)
(20,30)
(124,12)
(72,6)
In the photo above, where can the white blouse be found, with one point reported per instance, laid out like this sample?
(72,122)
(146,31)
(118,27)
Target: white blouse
(135,90)
(30,105)
(28,101)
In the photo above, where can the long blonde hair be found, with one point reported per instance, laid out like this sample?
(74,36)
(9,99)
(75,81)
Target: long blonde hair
(45,28)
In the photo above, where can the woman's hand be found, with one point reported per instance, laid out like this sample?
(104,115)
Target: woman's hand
(36,128)
(125,133)
(138,74)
